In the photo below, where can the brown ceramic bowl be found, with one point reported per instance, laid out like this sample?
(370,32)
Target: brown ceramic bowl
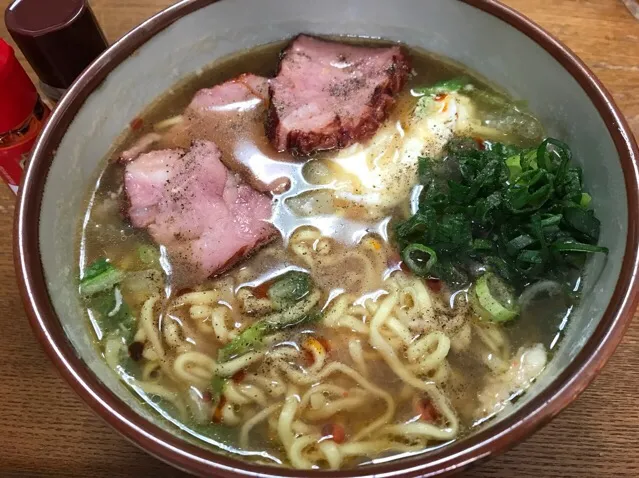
(484,35)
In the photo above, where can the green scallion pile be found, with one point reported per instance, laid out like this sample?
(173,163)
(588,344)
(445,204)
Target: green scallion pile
(519,215)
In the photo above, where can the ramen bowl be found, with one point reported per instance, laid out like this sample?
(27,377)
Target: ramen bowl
(483,35)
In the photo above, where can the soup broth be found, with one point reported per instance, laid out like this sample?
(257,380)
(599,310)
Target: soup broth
(322,349)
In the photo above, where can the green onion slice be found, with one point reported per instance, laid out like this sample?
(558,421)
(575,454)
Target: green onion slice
(419,265)
(492,299)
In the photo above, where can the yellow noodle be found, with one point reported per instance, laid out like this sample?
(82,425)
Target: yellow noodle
(331,453)
(229,416)
(148,323)
(218,321)
(234,395)
(273,385)
(324,388)
(387,352)
(208,297)
(254,393)
(296,448)
(231,367)
(287,415)
(336,406)
(200,312)
(357,355)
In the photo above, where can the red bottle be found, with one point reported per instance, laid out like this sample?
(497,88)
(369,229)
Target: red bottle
(22,117)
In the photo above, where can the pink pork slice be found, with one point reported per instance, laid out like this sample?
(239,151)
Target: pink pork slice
(329,95)
(204,214)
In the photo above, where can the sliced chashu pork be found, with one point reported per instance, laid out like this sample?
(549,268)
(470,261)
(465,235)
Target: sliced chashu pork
(231,115)
(329,95)
(207,216)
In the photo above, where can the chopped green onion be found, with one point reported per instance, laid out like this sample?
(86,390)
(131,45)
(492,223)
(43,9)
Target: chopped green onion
(482,244)
(583,221)
(252,338)
(492,299)
(567,246)
(420,266)
(100,276)
(521,213)
(289,288)
(514,166)
(520,242)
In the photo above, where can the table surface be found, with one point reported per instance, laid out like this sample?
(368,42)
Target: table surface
(46,430)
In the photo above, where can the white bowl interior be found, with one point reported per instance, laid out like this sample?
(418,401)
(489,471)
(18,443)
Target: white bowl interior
(453,29)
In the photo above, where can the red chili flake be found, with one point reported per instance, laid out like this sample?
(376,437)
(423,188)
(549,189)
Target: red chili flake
(309,358)
(434,284)
(217,413)
(261,291)
(135,350)
(440,96)
(480,143)
(239,376)
(136,123)
(335,432)
(206,396)
(404,267)
(427,410)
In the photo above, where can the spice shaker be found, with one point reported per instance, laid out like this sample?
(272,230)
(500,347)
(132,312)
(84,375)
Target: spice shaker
(22,116)
(59,39)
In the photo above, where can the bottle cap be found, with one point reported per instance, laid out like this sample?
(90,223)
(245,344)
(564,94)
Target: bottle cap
(59,38)
(18,96)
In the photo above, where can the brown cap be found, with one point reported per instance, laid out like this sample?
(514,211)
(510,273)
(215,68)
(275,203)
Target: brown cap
(59,38)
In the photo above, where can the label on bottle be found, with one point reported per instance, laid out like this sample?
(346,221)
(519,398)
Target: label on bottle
(14,157)
(13,160)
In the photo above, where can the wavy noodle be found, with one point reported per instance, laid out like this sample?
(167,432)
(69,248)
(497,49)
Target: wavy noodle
(295,451)
(253,393)
(201,315)
(321,257)
(148,323)
(287,415)
(389,355)
(195,368)
(461,340)
(357,355)
(229,416)
(495,353)
(218,321)
(207,297)
(331,453)
(272,384)
(379,330)
(172,333)
(353,401)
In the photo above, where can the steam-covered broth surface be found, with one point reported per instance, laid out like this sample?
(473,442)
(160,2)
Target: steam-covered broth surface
(342,307)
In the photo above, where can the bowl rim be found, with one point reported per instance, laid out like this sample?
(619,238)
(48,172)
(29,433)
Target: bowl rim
(188,457)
